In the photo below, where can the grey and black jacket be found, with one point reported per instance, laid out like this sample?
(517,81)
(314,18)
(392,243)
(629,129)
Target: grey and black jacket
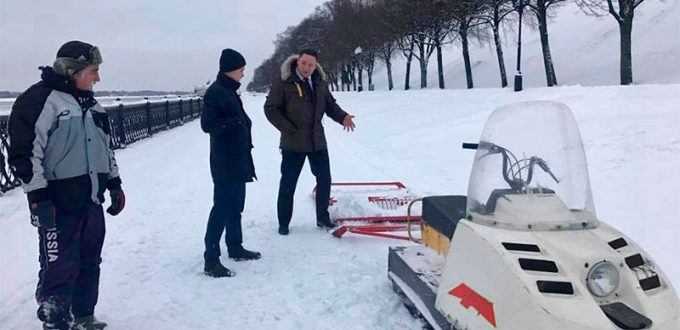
(60,146)
(297,111)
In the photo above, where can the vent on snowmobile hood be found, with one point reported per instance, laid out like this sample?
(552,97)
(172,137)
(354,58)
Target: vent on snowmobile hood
(649,283)
(634,261)
(521,247)
(557,287)
(618,243)
(538,265)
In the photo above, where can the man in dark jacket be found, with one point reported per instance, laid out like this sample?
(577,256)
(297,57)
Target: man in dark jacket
(60,149)
(231,163)
(295,106)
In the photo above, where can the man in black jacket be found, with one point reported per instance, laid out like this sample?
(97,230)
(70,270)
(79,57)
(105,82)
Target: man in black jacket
(60,149)
(231,163)
(296,105)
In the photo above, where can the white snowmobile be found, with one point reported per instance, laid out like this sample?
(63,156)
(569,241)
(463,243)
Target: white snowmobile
(524,249)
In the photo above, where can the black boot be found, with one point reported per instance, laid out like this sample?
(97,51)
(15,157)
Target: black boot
(242,254)
(283,230)
(53,313)
(56,326)
(325,223)
(215,269)
(88,323)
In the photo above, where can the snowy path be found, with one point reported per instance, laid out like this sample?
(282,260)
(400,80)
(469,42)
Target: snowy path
(152,271)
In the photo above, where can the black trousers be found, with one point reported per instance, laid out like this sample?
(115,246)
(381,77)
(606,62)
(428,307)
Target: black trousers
(70,255)
(225,217)
(291,166)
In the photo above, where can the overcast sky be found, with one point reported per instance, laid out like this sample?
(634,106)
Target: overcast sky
(149,44)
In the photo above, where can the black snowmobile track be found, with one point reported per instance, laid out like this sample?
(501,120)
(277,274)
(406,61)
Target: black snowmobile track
(400,268)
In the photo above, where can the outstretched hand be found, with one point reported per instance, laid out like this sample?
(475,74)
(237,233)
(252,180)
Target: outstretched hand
(348,123)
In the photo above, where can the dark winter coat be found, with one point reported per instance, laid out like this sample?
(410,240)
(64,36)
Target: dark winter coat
(296,113)
(226,121)
(60,144)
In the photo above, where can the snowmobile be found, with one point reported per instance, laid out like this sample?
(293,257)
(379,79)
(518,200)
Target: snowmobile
(524,249)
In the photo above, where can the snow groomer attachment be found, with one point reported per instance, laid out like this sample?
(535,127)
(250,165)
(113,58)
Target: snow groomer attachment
(527,250)
(372,209)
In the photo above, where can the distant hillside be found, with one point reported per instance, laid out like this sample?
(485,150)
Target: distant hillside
(585,51)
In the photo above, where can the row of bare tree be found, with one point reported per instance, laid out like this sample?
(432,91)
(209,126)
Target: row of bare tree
(351,35)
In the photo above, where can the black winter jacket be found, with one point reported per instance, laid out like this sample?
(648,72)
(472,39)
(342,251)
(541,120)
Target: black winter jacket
(226,121)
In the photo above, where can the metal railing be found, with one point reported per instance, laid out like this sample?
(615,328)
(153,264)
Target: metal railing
(129,123)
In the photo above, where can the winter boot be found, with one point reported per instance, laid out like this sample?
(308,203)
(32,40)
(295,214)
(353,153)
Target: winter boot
(88,323)
(56,326)
(242,254)
(283,230)
(325,223)
(53,313)
(215,269)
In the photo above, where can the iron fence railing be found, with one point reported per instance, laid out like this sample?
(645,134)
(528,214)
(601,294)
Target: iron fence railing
(129,123)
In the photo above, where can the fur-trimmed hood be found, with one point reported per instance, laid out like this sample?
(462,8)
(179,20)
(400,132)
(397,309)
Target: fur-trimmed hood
(291,62)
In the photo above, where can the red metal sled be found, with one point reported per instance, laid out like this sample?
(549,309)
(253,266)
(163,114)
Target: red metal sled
(378,226)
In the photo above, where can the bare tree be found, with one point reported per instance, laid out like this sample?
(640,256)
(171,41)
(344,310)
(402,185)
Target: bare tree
(467,14)
(623,12)
(540,9)
(406,45)
(495,12)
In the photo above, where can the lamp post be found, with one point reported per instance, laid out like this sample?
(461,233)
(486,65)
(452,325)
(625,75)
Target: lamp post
(357,52)
(519,6)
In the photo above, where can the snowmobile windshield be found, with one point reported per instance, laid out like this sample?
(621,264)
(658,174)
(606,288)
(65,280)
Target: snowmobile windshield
(530,171)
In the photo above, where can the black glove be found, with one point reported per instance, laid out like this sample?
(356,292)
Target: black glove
(117,202)
(43,214)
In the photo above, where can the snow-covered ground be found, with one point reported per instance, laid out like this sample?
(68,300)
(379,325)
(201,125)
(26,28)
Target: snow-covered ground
(152,270)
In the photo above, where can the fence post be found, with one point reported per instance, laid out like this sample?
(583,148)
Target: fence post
(167,114)
(181,116)
(149,119)
(191,108)
(121,126)
(199,106)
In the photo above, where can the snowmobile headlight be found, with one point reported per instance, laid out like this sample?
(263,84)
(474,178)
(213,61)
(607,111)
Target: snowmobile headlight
(603,279)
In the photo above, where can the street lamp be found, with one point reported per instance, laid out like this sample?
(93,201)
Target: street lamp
(519,6)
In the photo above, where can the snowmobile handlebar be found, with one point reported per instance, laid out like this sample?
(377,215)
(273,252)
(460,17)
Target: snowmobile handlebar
(472,146)
(512,167)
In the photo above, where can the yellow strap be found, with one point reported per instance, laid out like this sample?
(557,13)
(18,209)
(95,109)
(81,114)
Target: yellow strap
(299,89)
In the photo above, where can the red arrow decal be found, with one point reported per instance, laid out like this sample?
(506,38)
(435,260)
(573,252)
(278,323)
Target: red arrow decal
(470,298)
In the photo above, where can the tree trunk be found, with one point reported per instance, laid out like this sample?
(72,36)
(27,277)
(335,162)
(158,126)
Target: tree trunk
(423,65)
(626,27)
(440,66)
(353,77)
(407,84)
(369,72)
(360,68)
(550,76)
(499,54)
(390,83)
(466,58)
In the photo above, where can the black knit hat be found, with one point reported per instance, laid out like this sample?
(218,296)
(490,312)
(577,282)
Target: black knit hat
(74,56)
(231,60)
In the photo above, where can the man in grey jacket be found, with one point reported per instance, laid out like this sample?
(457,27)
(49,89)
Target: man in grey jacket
(60,148)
